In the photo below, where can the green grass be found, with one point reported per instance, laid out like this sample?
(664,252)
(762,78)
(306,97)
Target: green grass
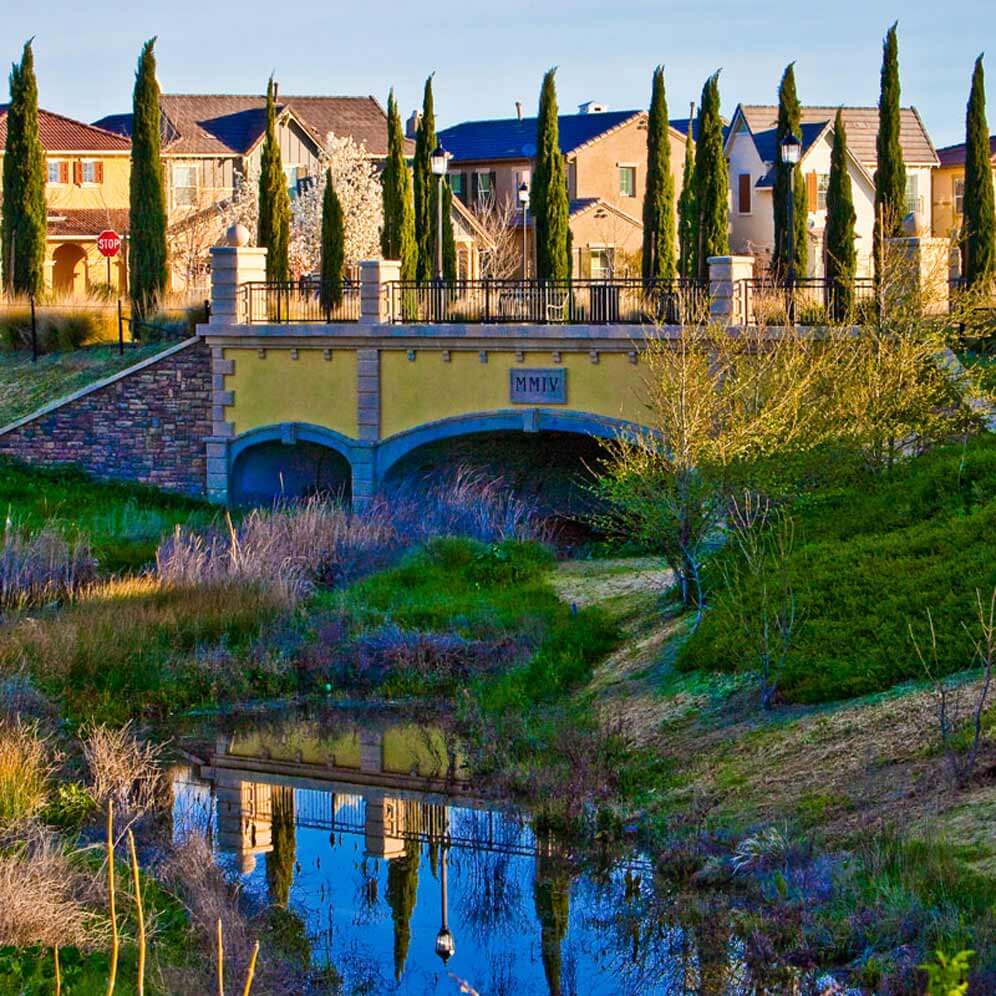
(870,559)
(27,386)
(123,522)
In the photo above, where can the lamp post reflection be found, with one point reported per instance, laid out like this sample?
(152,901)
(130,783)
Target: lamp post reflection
(445,944)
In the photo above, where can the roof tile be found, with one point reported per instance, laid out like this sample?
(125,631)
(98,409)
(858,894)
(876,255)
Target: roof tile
(61,134)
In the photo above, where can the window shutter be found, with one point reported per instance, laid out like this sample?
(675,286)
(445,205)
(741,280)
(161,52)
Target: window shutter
(811,196)
(473,188)
(584,263)
(77,172)
(744,193)
(493,176)
(98,171)
(63,172)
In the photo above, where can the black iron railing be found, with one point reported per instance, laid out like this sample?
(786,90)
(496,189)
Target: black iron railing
(578,302)
(297,301)
(805,301)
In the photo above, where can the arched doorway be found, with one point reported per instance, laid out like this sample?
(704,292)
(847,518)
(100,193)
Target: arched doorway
(69,269)
(275,471)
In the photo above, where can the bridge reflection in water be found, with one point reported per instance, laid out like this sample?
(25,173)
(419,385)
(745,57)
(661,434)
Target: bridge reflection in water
(389,809)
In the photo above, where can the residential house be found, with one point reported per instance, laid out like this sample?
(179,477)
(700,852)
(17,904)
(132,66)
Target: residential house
(948,188)
(86,192)
(605,155)
(751,151)
(213,142)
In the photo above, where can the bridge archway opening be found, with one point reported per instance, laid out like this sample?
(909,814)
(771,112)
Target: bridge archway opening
(275,471)
(550,470)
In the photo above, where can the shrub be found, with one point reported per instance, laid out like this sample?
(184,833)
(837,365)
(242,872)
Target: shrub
(123,769)
(42,568)
(59,327)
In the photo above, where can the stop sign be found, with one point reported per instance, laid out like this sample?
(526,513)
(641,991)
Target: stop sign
(108,243)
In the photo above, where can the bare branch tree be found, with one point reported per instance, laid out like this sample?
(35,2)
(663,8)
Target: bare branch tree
(503,228)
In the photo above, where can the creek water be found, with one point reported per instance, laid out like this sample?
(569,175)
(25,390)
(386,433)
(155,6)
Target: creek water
(368,829)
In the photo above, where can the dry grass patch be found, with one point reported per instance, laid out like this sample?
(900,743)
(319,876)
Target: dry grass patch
(123,769)
(25,767)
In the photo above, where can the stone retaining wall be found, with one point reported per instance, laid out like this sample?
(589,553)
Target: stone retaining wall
(145,424)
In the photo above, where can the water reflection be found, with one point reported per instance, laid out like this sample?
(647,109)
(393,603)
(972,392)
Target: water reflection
(371,833)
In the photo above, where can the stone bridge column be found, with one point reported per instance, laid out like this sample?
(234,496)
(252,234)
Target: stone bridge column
(728,304)
(375,294)
(232,265)
(927,278)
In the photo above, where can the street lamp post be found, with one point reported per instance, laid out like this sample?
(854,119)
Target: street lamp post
(791,150)
(524,201)
(445,943)
(439,161)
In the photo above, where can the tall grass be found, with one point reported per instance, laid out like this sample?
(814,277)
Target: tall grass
(41,568)
(318,543)
(25,766)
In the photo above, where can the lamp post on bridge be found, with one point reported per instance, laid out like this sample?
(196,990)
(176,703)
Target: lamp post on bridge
(524,201)
(791,150)
(439,161)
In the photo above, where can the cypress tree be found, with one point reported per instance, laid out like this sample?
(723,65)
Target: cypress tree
(712,184)
(273,230)
(548,199)
(688,213)
(25,218)
(333,248)
(658,198)
(789,248)
(890,175)
(397,238)
(841,263)
(425,187)
(979,215)
(147,254)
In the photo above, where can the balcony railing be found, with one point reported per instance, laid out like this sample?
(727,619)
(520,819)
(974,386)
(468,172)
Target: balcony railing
(621,301)
(805,301)
(297,301)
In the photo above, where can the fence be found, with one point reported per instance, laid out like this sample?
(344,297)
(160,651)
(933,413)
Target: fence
(584,302)
(278,302)
(805,301)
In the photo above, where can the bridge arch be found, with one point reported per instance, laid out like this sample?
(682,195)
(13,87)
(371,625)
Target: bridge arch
(290,460)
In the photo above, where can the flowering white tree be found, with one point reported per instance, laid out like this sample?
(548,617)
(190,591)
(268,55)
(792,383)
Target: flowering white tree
(358,186)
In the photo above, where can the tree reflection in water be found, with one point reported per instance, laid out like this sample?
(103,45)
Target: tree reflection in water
(281,859)
(552,899)
(402,889)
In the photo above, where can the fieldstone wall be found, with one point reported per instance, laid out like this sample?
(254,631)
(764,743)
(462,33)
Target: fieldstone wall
(146,424)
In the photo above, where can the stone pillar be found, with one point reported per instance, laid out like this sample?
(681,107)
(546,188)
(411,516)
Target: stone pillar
(232,266)
(926,281)
(727,298)
(375,297)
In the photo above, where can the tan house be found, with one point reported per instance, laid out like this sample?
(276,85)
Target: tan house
(605,154)
(751,152)
(86,191)
(948,188)
(213,142)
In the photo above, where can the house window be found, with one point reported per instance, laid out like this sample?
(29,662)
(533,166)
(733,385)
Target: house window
(91,171)
(58,171)
(601,262)
(457,185)
(959,195)
(627,181)
(822,186)
(185,186)
(485,188)
(744,191)
(914,202)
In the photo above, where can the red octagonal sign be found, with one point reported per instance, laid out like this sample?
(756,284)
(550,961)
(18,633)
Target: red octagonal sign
(108,242)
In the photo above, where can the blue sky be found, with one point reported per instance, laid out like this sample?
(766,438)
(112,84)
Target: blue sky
(488,55)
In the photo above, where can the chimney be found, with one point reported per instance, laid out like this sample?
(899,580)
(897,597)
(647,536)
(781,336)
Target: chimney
(592,107)
(411,125)
(518,109)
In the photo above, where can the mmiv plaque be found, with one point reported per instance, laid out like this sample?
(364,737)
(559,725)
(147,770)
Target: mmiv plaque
(538,387)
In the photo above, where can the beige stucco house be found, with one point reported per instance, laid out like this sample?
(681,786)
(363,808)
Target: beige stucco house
(948,188)
(751,151)
(86,191)
(605,154)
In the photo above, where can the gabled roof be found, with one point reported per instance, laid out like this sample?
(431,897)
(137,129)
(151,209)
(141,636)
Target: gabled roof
(954,155)
(862,131)
(515,138)
(582,205)
(61,134)
(233,124)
